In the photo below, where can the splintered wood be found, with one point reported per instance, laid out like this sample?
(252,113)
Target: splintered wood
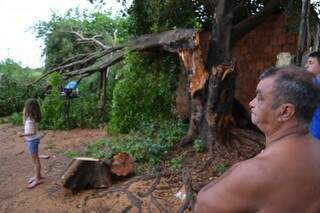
(194,64)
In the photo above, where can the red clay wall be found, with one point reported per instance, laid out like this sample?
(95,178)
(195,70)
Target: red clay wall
(258,50)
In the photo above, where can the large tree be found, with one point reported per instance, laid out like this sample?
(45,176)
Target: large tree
(211,73)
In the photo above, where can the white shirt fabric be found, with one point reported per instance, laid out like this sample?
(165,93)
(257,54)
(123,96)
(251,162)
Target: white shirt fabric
(29,127)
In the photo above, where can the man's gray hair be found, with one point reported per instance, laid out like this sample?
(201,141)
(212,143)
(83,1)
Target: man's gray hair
(296,86)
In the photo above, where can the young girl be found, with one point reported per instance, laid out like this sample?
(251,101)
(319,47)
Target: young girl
(31,116)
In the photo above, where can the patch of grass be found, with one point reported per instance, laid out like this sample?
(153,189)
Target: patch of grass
(71,154)
(176,163)
(221,168)
(198,145)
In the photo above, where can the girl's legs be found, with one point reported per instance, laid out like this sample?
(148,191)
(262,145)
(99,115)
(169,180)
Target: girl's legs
(33,146)
(33,182)
(36,161)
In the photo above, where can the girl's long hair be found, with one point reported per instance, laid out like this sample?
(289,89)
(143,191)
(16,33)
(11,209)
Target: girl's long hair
(32,110)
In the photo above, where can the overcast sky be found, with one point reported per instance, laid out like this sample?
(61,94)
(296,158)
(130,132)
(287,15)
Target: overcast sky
(17,41)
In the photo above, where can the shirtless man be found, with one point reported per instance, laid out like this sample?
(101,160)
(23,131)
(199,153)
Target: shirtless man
(285,177)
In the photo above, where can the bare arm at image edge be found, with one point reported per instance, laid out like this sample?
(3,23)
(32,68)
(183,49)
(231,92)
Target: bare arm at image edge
(239,190)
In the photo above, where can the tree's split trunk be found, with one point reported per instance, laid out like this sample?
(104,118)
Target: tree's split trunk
(212,83)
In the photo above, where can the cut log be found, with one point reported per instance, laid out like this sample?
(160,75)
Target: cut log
(88,173)
(85,173)
(122,164)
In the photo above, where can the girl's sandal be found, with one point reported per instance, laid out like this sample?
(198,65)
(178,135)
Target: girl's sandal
(34,184)
(30,180)
(44,156)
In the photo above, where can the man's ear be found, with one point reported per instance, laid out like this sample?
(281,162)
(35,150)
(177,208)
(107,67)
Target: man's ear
(286,111)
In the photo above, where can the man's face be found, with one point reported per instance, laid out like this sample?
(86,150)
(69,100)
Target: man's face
(262,113)
(313,65)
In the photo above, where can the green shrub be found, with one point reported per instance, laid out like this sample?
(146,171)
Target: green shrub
(14,93)
(143,91)
(16,118)
(71,154)
(150,144)
(61,113)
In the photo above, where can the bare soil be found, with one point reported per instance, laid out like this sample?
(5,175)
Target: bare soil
(131,195)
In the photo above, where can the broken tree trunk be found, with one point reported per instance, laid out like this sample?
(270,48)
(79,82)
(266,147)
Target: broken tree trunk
(213,81)
(85,173)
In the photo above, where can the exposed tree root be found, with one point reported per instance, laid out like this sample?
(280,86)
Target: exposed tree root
(136,200)
(251,136)
(157,204)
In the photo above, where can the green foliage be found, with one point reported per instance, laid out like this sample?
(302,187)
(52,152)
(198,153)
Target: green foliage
(14,89)
(71,154)
(150,144)
(143,91)
(176,163)
(61,44)
(55,80)
(16,118)
(161,15)
(221,168)
(198,145)
(52,106)
(61,113)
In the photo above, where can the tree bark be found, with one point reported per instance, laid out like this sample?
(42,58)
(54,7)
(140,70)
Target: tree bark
(85,173)
(316,38)
(103,88)
(212,103)
(302,31)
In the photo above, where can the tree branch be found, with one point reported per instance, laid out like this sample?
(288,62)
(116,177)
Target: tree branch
(92,39)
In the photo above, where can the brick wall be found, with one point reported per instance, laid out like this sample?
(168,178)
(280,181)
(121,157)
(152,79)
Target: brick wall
(258,50)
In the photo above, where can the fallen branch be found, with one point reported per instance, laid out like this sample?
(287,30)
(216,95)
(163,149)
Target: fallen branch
(189,200)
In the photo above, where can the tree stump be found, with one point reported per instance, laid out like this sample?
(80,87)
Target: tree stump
(86,173)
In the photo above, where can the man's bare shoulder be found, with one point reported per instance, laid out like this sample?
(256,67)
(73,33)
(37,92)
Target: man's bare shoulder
(249,173)
(241,188)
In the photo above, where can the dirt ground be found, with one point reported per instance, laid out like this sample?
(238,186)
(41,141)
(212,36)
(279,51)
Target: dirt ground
(16,168)
(134,196)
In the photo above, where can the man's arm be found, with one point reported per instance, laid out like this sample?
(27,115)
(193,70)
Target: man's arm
(239,190)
